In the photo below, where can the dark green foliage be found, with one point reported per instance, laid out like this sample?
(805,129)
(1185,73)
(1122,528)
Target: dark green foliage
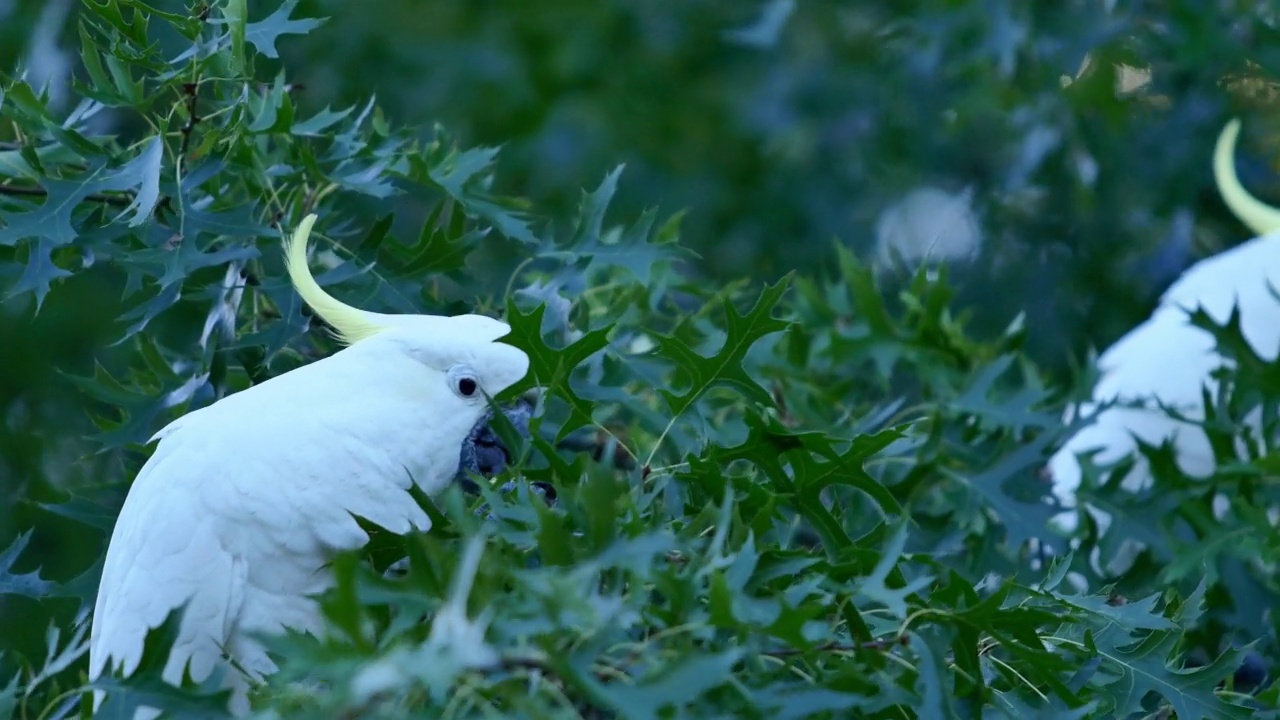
(779,125)
(812,497)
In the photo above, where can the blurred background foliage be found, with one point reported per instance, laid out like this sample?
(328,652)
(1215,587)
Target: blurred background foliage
(1059,152)
(1082,131)
(1079,130)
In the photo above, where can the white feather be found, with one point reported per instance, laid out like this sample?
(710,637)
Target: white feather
(244,501)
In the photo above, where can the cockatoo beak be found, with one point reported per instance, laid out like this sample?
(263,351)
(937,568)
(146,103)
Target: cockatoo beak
(484,453)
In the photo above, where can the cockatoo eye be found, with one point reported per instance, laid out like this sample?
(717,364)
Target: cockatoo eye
(463,382)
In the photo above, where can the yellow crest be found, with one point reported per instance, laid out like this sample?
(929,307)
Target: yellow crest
(350,324)
(1257,215)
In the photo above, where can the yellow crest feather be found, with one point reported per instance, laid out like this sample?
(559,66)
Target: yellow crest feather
(1255,214)
(350,324)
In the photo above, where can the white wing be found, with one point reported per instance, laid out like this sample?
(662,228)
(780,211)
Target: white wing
(244,500)
(1169,359)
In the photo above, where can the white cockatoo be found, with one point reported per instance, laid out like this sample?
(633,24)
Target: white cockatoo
(928,225)
(1167,359)
(244,501)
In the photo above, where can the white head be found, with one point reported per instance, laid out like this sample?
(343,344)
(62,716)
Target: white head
(460,352)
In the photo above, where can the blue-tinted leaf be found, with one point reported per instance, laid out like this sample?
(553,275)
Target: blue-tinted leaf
(29,584)
(264,34)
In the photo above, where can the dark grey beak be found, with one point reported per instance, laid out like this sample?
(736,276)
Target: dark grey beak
(485,454)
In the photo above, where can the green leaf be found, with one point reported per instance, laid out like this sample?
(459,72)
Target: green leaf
(59,657)
(22,101)
(937,697)
(1016,413)
(83,587)
(442,246)
(29,584)
(552,367)
(676,685)
(315,125)
(803,465)
(795,701)
(272,110)
(264,33)
(457,173)
(1022,519)
(148,185)
(873,586)
(95,506)
(1140,650)
(112,11)
(235,13)
(102,87)
(52,221)
(9,697)
(141,398)
(39,273)
(638,250)
(724,367)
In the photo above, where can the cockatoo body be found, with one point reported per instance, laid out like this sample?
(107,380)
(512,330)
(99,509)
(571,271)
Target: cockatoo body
(1167,359)
(244,501)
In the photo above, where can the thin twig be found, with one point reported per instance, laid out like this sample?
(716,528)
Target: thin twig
(540,664)
(192,92)
(837,647)
(120,200)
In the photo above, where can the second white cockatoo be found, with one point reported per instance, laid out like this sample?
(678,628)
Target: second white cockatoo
(244,501)
(1168,360)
